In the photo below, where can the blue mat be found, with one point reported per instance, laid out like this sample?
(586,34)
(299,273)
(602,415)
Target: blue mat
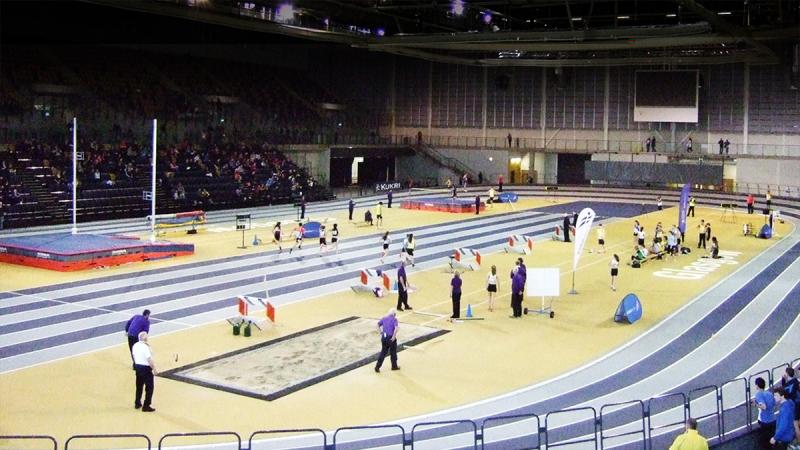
(69,244)
(604,209)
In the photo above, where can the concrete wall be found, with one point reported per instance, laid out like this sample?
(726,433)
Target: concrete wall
(316,159)
(421,169)
(491,162)
(767,173)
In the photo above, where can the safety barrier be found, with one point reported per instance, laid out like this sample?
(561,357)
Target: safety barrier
(723,412)
(109,437)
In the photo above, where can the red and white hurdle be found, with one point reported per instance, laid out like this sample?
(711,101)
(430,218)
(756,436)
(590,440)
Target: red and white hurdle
(465,259)
(519,244)
(373,281)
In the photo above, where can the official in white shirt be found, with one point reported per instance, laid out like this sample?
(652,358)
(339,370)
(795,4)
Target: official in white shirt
(145,370)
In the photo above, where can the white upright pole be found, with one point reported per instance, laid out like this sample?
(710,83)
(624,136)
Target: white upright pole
(153,191)
(74,175)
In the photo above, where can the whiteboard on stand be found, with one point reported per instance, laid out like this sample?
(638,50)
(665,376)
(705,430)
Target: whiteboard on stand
(543,282)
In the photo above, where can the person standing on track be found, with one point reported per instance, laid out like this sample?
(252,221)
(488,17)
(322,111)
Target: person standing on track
(566,227)
(455,296)
(134,326)
(351,206)
(388,327)
(379,214)
(601,238)
(517,290)
(402,288)
(145,369)
(491,286)
(389,199)
(614,264)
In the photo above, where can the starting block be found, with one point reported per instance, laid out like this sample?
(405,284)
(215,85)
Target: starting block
(465,259)
(373,281)
(558,233)
(519,244)
(246,304)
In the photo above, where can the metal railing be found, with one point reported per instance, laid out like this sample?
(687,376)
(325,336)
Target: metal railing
(574,145)
(724,411)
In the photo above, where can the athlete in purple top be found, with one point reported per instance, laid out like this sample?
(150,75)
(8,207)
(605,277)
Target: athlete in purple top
(134,326)
(517,288)
(455,295)
(387,327)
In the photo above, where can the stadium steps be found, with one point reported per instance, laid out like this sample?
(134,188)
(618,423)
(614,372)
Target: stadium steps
(451,163)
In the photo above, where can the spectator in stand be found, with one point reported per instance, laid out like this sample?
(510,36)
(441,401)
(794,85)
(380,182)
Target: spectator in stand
(691,439)
(721,145)
(653,143)
(784,427)
(790,384)
(727,146)
(689,145)
(765,402)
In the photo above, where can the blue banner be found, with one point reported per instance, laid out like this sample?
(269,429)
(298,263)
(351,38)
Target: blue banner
(683,208)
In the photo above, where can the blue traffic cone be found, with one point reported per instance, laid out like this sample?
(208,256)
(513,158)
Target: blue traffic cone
(469,311)
(256,240)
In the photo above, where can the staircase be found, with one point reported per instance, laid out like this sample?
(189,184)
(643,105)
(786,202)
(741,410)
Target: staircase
(451,163)
(49,210)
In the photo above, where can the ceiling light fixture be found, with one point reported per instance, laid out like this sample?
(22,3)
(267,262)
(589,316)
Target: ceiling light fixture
(672,15)
(724,13)
(623,17)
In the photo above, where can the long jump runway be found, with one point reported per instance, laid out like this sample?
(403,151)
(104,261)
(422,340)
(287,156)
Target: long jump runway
(731,330)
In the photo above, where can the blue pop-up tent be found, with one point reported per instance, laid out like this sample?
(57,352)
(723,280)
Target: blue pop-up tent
(629,309)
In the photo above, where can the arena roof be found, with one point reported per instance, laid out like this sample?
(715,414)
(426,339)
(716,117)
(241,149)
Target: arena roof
(516,32)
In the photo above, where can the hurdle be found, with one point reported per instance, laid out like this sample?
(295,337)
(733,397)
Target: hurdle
(191,219)
(465,259)
(558,234)
(518,243)
(245,303)
(373,281)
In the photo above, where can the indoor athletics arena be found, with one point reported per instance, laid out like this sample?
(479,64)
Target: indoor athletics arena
(399,224)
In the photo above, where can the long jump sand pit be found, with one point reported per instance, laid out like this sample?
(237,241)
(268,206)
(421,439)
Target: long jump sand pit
(272,369)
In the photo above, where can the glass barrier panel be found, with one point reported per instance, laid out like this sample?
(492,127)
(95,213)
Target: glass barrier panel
(457,434)
(736,407)
(107,441)
(28,442)
(511,432)
(213,440)
(703,404)
(571,428)
(302,439)
(389,437)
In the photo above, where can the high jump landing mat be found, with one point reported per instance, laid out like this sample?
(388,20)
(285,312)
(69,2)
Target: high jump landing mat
(67,252)
(444,204)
